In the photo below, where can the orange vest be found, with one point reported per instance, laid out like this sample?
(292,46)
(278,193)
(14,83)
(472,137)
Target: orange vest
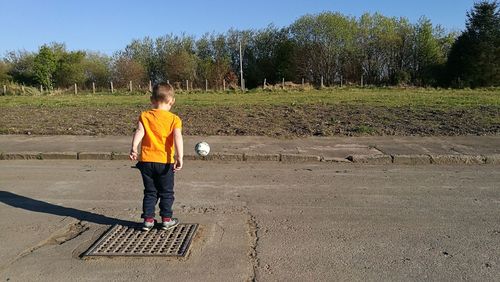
(158,142)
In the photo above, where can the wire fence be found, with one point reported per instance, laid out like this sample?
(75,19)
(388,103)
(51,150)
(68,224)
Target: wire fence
(144,88)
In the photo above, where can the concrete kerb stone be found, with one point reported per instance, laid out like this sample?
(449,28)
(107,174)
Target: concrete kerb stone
(411,159)
(59,156)
(224,157)
(335,160)
(94,156)
(261,157)
(22,156)
(457,159)
(492,159)
(299,158)
(361,159)
(216,156)
(191,157)
(120,156)
(371,159)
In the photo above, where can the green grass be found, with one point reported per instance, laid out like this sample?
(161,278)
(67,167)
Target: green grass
(429,98)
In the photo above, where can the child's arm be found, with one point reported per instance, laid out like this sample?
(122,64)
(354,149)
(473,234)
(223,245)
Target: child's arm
(179,149)
(139,134)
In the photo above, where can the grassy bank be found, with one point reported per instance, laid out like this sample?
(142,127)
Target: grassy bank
(330,112)
(346,96)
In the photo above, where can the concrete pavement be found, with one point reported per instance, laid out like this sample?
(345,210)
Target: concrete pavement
(261,221)
(370,150)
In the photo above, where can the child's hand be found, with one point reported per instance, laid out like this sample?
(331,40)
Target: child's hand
(178,164)
(133,155)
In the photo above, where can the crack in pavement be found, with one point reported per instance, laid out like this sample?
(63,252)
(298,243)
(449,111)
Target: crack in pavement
(254,240)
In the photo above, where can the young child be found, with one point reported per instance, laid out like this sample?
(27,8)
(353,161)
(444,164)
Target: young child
(160,133)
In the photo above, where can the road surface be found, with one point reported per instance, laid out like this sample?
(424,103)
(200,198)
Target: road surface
(262,221)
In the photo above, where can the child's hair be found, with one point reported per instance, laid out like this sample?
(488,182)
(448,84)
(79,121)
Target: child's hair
(162,92)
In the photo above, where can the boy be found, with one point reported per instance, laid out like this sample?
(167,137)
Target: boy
(160,133)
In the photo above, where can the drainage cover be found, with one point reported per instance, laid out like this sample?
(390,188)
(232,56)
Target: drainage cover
(132,241)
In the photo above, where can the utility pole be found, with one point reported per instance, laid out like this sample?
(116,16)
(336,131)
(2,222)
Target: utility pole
(241,71)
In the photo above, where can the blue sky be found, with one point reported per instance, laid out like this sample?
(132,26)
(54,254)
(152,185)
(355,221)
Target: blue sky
(109,25)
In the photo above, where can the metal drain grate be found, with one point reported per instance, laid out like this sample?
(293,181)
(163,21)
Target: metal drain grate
(132,241)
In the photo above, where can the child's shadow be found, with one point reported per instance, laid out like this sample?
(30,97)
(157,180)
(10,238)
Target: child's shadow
(29,204)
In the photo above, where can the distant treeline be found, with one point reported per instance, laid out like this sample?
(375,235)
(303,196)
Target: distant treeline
(330,47)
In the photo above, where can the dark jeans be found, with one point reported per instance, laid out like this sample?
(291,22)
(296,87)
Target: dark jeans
(158,181)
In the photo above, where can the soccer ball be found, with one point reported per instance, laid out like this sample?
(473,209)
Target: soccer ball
(202,149)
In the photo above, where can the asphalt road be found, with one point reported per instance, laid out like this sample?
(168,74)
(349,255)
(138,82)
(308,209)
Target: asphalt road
(258,221)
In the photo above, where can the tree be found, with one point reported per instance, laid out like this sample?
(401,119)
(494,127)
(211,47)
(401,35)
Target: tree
(97,69)
(21,66)
(429,55)
(176,58)
(70,68)
(126,70)
(474,59)
(4,72)
(45,65)
(143,51)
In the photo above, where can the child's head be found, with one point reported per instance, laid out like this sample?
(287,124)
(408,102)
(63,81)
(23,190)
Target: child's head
(163,93)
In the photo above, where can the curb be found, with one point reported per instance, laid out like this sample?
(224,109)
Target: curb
(119,156)
(335,160)
(373,159)
(59,156)
(380,159)
(21,156)
(94,156)
(261,157)
(411,159)
(457,159)
(493,159)
(299,158)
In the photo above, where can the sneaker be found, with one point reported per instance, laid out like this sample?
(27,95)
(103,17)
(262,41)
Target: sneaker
(148,224)
(167,223)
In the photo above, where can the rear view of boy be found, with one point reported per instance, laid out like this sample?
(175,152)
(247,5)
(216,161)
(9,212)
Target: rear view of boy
(160,133)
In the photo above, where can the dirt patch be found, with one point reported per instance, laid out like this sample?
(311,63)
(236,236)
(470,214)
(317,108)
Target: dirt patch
(278,121)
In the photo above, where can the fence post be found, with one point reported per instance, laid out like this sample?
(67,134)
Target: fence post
(22,88)
(224,85)
(283,83)
(151,86)
(302,82)
(341,82)
(322,85)
(206,85)
(362,82)
(187,85)
(112,89)
(130,86)
(93,87)
(4,89)
(264,85)
(41,88)
(76,89)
